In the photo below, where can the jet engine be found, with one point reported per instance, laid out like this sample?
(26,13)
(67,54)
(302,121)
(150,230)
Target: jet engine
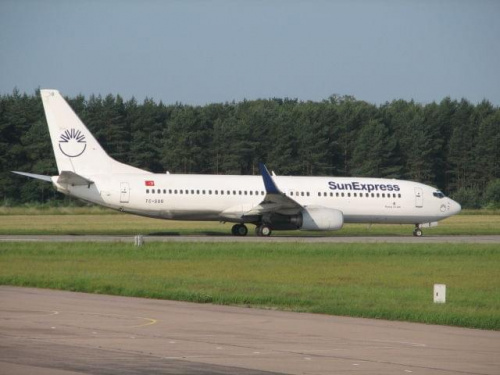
(321,218)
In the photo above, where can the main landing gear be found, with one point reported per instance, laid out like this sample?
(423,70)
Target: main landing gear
(263,230)
(417,232)
(239,230)
(242,230)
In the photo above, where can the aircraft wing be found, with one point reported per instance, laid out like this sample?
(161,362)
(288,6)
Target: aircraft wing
(275,201)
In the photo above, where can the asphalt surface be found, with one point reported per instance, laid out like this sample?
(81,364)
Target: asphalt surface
(62,333)
(207,238)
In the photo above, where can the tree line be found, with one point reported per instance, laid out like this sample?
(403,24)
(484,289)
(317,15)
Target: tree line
(452,145)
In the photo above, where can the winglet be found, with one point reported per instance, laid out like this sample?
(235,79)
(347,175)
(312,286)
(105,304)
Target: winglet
(269,184)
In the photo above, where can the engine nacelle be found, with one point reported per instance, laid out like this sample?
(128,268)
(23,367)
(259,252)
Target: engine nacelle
(321,218)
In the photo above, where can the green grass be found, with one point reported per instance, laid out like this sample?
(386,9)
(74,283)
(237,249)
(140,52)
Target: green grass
(386,281)
(94,220)
(35,210)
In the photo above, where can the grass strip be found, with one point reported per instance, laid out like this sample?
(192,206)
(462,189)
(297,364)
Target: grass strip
(386,281)
(85,223)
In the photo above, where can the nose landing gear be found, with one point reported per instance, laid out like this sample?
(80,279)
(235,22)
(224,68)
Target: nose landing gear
(417,232)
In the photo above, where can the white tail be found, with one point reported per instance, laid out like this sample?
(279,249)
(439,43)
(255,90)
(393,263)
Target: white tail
(75,148)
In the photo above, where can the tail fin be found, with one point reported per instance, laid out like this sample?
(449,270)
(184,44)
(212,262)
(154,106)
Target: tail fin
(75,148)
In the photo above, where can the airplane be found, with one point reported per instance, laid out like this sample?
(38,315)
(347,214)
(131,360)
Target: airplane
(269,202)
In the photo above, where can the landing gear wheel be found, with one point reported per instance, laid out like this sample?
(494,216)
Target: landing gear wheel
(239,230)
(263,231)
(417,232)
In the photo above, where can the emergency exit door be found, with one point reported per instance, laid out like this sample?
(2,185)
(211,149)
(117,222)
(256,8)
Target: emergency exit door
(419,197)
(124,192)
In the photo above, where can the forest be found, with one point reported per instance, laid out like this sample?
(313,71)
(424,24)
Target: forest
(452,145)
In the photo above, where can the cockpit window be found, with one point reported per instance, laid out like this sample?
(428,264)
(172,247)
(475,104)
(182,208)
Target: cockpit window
(438,194)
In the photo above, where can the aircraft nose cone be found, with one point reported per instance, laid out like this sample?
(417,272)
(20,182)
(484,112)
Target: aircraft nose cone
(455,207)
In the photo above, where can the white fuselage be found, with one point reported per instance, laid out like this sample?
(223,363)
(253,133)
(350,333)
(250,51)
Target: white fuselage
(228,198)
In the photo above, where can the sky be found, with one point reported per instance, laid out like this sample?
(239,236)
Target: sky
(199,52)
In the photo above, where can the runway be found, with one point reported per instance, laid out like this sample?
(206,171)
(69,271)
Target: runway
(492,239)
(62,333)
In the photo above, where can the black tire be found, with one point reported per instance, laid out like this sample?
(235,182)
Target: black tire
(241,229)
(265,231)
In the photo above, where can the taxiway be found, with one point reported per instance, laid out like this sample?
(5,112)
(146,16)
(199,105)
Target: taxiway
(62,333)
(493,239)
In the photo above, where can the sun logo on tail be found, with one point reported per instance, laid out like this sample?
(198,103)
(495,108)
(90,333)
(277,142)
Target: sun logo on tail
(72,143)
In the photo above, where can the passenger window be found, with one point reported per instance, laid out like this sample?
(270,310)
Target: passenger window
(203,192)
(210,192)
(342,195)
(164,191)
(192,191)
(399,195)
(147,191)
(349,195)
(180,191)
(197,192)
(216,192)
(251,192)
(373,195)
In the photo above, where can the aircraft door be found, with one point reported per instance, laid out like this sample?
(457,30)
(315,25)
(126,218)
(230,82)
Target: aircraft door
(419,198)
(124,192)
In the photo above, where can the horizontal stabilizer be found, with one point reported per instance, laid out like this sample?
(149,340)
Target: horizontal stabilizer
(36,176)
(68,177)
